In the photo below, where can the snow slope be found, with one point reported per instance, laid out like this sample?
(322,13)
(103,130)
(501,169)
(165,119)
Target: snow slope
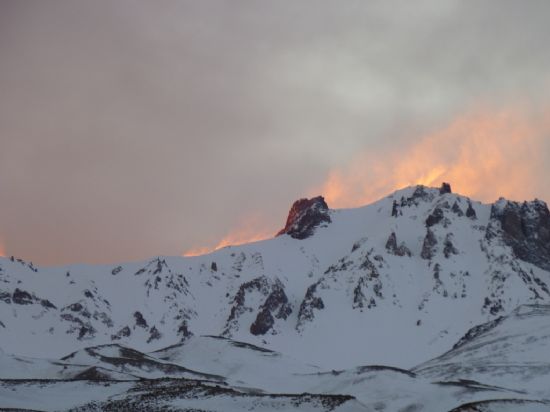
(512,352)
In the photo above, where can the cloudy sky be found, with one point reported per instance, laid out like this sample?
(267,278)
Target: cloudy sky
(135,128)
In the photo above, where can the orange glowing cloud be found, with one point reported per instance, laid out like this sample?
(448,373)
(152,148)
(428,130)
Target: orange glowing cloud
(2,248)
(250,229)
(484,155)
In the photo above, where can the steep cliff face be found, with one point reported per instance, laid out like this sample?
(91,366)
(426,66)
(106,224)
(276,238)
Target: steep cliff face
(525,227)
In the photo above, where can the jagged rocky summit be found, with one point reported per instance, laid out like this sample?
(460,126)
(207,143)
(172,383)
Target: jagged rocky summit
(305,215)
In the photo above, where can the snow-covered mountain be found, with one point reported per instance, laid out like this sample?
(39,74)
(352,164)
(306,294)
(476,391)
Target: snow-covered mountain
(421,274)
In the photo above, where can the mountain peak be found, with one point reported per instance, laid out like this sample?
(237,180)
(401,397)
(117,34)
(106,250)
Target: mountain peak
(304,216)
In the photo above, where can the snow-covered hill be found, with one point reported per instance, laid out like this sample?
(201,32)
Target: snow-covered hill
(512,351)
(394,283)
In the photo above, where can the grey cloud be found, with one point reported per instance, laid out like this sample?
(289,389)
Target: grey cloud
(134,128)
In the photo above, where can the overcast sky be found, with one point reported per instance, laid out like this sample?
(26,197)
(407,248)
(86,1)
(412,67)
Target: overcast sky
(135,128)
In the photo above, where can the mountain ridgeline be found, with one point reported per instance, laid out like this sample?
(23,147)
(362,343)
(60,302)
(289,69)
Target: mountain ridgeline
(408,255)
(420,274)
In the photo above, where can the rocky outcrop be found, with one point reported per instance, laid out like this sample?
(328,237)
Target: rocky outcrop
(448,246)
(276,306)
(308,306)
(428,248)
(435,217)
(394,209)
(471,212)
(154,334)
(123,333)
(83,328)
(140,320)
(154,267)
(457,210)
(238,307)
(361,298)
(445,188)
(525,227)
(183,330)
(421,194)
(394,249)
(305,216)
(21,297)
(263,323)
(5,297)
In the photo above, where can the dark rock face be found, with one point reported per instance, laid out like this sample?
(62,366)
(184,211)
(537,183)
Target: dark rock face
(367,290)
(21,297)
(154,267)
(449,248)
(5,297)
(394,209)
(277,301)
(275,306)
(260,285)
(86,331)
(391,244)
(75,307)
(360,299)
(445,188)
(457,210)
(470,212)
(435,217)
(310,303)
(140,320)
(154,334)
(159,265)
(420,194)
(184,331)
(263,323)
(304,216)
(84,328)
(393,248)
(428,248)
(124,332)
(47,304)
(525,227)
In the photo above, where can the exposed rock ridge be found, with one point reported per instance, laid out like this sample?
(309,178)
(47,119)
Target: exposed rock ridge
(395,249)
(525,227)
